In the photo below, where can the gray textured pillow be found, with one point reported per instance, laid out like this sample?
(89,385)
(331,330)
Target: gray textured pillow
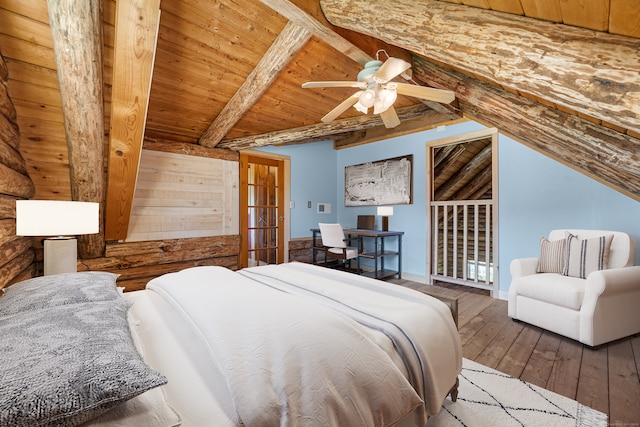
(59,289)
(585,256)
(552,256)
(68,364)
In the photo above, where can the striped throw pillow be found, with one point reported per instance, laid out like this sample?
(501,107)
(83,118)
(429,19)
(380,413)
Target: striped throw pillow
(585,256)
(552,256)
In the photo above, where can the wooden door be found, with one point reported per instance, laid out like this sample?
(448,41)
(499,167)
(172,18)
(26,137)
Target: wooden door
(261,211)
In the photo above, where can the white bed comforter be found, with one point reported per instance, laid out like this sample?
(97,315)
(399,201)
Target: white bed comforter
(295,354)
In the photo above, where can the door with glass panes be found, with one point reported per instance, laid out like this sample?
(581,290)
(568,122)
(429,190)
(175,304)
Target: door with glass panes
(262,210)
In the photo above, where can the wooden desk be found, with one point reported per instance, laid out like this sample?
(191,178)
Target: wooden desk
(378,255)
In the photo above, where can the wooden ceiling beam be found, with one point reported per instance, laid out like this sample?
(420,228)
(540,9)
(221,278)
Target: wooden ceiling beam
(295,14)
(288,43)
(308,15)
(324,131)
(464,175)
(596,74)
(478,187)
(366,136)
(77,43)
(136,34)
(606,155)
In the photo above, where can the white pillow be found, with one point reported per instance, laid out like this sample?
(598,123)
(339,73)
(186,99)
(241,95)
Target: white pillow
(585,256)
(552,256)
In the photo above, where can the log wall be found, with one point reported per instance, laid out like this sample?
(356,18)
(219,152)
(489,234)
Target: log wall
(300,249)
(17,257)
(139,262)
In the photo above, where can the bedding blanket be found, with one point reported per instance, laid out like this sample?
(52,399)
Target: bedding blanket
(291,358)
(421,327)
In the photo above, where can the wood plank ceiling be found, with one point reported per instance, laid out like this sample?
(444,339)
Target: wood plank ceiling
(227,74)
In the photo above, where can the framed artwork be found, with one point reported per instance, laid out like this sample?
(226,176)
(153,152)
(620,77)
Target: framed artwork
(383,182)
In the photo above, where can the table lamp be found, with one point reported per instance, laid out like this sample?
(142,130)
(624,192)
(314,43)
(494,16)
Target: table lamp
(385,212)
(60,219)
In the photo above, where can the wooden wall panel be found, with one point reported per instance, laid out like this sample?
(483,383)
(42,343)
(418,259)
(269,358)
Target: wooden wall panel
(592,14)
(623,17)
(181,196)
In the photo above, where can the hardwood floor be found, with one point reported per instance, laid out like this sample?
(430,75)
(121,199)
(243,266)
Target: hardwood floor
(605,378)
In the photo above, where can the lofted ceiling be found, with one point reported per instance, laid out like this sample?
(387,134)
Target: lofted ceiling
(227,74)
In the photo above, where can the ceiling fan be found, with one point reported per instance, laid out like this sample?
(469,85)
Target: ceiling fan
(377,90)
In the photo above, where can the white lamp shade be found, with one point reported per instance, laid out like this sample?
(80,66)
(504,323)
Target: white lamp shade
(367,98)
(385,99)
(385,210)
(56,218)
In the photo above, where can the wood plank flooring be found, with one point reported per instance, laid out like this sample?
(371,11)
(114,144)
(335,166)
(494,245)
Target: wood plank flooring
(605,378)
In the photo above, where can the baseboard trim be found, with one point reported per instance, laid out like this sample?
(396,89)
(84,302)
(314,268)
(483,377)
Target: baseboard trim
(415,278)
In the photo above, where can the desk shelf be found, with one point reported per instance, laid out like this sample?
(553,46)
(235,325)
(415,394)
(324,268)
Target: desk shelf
(373,255)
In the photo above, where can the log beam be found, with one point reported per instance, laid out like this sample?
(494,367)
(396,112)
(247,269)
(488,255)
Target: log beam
(139,262)
(189,149)
(606,155)
(596,74)
(77,44)
(136,33)
(365,136)
(301,17)
(464,175)
(324,131)
(288,43)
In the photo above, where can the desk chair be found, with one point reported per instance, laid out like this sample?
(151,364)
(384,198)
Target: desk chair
(333,241)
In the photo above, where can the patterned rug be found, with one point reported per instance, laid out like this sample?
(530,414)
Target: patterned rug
(490,398)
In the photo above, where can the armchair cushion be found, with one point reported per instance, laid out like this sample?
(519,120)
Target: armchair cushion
(349,252)
(568,292)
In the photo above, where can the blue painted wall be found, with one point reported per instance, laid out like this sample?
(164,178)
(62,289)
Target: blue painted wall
(314,177)
(536,194)
(412,219)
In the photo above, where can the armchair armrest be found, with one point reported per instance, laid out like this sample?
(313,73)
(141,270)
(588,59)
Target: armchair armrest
(357,239)
(523,267)
(613,281)
(610,306)
(350,239)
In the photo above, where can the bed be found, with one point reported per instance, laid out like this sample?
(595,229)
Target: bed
(292,344)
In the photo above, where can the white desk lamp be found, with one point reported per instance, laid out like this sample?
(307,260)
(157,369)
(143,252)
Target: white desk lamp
(385,212)
(61,219)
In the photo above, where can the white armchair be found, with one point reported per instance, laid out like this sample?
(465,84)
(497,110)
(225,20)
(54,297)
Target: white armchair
(601,308)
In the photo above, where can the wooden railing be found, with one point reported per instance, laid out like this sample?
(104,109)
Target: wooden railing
(461,237)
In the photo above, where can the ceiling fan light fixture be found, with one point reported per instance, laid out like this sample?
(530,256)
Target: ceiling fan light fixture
(367,98)
(384,100)
(361,108)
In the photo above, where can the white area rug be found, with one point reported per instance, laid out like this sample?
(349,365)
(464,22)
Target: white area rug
(490,398)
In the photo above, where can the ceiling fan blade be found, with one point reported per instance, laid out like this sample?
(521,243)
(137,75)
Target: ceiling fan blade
(391,68)
(390,118)
(429,93)
(341,108)
(308,85)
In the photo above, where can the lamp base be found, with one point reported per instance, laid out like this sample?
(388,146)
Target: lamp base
(60,255)
(385,223)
